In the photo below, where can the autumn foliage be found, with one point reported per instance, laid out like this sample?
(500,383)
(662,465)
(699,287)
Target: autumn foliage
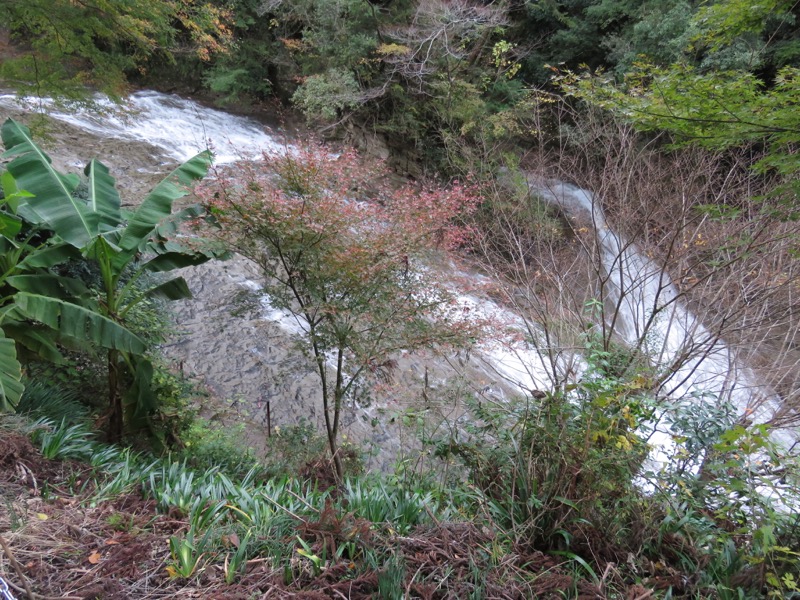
(346,254)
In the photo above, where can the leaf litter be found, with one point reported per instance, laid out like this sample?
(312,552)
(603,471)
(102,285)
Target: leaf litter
(118,550)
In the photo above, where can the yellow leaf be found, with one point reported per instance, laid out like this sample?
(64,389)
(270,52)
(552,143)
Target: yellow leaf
(392,50)
(42,516)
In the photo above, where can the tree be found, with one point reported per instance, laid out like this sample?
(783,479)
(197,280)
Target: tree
(717,102)
(718,110)
(124,249)
(39,308)
(346,257)
(683,256)
(64,46)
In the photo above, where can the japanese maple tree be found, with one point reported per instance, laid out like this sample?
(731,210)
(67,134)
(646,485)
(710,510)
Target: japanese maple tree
(346,254)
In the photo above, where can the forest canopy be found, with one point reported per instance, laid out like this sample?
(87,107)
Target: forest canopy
(438,79)
(61,47)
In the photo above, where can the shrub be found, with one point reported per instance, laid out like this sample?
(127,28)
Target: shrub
(554,469)
(325,96)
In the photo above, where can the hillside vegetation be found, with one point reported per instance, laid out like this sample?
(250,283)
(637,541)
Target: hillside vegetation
(680,119)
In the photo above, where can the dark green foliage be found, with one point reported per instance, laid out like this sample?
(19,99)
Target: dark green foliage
(42,201)
(326,96)
(557,470)
(62,47)
(291,448)
(255,68)
(236,83)
(204,446)
(50,400)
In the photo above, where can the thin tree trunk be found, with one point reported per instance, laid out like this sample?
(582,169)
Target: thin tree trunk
(331,427)
(115,418)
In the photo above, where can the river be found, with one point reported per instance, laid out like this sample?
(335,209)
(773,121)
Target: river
(244,352)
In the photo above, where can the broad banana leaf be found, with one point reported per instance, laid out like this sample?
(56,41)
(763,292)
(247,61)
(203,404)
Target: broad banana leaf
(48,256)
(140,401)
(158,205)
(10,225)
(174,289)
(103,251)
(53,202)
(103,196)
(169,226)
(37,339)
(10,374)
(77,322)
(12,195)
(53,286)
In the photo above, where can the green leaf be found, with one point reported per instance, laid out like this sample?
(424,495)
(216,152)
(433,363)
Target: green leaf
(77,322)
(566,501)
(140,399)
(102,250)
(10,374)
(54,286)
(104,199)
(158,204)
(12,195)
(10,225)
(170,225)
(36,339)
(580,561)
(49,256)
(53,203)
(174,289)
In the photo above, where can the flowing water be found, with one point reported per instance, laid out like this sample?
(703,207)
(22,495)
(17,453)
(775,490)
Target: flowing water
(250,361)
(181,128)
(648,312)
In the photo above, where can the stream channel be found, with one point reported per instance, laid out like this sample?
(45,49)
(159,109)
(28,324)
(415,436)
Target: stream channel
(244,352)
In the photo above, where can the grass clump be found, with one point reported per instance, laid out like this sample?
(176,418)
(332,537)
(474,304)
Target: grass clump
(45,399)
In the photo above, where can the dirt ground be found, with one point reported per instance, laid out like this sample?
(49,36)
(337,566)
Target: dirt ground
(57,544)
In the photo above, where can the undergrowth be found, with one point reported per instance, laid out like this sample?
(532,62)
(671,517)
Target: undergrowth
(551,496)
(542,518)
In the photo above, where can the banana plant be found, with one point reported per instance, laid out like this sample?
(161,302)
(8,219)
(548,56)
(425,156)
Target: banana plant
(37,308)
(123,246)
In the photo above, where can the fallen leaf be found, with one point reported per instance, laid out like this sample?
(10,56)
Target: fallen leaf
(94,557)
(42,516)
(111,542)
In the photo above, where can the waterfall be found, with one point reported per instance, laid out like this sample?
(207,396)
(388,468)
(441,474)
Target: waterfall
(648,308)
(647,312)
(180,127)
